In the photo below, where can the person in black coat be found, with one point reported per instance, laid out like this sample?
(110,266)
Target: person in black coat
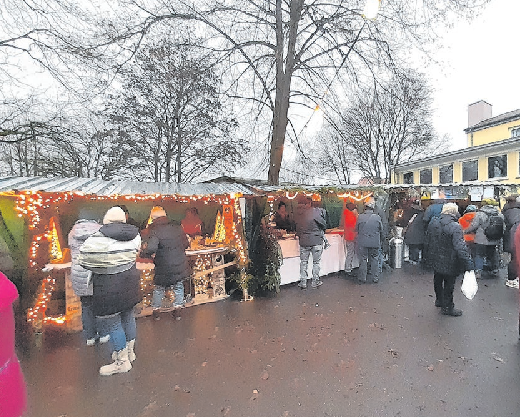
(448,254)
(414,233)
(167,243)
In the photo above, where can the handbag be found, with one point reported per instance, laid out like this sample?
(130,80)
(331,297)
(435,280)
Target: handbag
(469,285)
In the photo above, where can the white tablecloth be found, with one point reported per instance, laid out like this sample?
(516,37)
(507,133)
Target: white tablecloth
(332,259)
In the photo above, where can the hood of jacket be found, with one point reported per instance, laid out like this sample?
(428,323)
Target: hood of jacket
(446,219)
(489,210)
(82,229)
(120,231)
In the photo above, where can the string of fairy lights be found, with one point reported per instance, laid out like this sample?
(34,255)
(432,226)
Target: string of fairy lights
(32,205)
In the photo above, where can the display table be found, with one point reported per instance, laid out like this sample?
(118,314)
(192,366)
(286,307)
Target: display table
(332,259)
(207,284)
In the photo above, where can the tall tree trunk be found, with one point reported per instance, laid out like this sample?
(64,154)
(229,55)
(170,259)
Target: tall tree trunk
(283,86)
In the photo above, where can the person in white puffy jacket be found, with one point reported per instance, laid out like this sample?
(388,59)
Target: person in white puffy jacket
(80,277)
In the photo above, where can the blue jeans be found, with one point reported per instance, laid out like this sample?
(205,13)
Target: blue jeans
(159,290)
(121,327)
(91,326)
(368,256)
(305,251)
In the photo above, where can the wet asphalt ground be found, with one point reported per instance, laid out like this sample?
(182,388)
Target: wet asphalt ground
(341,350)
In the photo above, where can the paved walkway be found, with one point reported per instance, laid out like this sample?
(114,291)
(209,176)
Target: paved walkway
(342,350)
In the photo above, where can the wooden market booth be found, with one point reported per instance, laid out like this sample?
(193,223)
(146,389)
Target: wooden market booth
(37,214)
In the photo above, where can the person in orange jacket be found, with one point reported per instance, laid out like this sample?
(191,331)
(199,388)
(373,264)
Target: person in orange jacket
(465,222)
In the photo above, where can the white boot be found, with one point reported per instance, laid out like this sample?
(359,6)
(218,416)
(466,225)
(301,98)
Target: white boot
(131,353)
(120,365)
(130,347)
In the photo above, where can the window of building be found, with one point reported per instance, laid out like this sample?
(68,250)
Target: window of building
(408,178)
(470,171)
(426,176)
(446,174)
(497,166)
(515,133)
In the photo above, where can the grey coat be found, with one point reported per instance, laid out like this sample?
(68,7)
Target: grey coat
(310,226)
(80,277)
(369,230)
(480,222)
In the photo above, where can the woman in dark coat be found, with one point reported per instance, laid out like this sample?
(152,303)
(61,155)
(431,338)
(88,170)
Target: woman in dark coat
(168,243)
(110,254)
(448,254)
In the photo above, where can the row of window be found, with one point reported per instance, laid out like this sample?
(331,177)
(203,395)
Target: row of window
(497,168)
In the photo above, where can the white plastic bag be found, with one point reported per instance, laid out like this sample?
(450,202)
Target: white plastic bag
(469,284)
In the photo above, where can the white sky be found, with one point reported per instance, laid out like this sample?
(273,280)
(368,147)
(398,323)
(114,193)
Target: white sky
(479,63)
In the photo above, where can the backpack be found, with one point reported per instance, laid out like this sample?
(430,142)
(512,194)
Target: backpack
(495,228)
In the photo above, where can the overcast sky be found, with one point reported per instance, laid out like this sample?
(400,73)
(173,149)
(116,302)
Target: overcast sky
(480,62)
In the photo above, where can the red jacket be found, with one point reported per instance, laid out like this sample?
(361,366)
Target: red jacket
(465,221)
(13,396)
(349,225)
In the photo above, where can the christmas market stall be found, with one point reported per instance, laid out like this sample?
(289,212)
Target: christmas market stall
(36,215)
(332,200)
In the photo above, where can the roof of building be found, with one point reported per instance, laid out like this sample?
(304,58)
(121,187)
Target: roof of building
(109,188)
(494,121)
(489,149)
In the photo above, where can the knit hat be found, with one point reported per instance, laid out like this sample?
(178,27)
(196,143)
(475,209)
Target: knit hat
(471,208)
(450,208)
(114,215)
(157,212)
(489,202)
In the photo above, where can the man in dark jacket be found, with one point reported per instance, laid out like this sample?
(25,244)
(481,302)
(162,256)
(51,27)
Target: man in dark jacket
(448,255)
(369,229)
(168,243)
(310,228)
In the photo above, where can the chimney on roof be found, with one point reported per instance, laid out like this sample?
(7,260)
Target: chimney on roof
(479,111)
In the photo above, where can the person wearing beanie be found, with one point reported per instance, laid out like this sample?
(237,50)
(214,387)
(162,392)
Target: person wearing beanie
(465,222)
(369,229)
(13,391)
(511,213)
(448,255)
(488,227)
(168,243)
(85,226)
(110,254)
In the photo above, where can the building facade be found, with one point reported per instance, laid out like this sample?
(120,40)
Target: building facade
(492,154)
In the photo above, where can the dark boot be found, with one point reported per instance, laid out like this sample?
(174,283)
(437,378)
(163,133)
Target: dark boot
(438,303)
(451,311)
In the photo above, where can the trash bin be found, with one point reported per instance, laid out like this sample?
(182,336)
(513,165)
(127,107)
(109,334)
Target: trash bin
(396,252)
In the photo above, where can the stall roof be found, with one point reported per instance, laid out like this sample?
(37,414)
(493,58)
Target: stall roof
(108,188)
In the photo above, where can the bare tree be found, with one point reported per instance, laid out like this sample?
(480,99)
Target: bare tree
(286,52)
(386,124)
(170,102)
